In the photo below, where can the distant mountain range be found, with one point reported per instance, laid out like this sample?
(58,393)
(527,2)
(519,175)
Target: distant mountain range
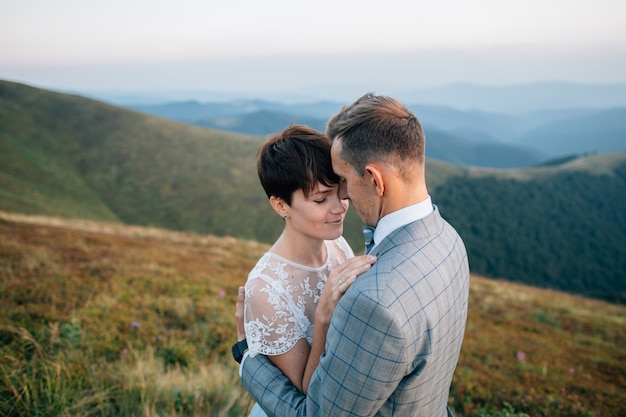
(466,137)
(560,225)
(502,99)
(521,98)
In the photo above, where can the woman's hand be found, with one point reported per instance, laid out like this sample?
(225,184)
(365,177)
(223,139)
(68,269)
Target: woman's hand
(241,334)
(337,283)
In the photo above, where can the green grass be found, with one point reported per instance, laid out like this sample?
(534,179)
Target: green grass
(115,321)
(542,352)
(100,319)
(68,382)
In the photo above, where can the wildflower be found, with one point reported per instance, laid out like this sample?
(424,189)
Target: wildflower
(222,294)
(572,371)
(135,325)
(123,353)
(521,356)
(159,338)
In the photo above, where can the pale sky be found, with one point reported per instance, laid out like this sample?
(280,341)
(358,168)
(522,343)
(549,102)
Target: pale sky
(301,47)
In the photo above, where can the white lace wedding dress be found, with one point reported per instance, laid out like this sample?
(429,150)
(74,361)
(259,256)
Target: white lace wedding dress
(281,297)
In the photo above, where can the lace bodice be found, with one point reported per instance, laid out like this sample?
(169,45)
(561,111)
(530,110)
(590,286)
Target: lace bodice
(281,297)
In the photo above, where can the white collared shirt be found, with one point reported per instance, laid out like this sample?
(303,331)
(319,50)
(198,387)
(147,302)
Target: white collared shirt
(402,217)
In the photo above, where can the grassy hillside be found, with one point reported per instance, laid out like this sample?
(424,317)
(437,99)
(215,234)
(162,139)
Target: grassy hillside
(71,156)
(107,320)
(560,226)
(144,170)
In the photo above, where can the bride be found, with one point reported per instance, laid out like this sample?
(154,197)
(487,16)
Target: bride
(297,283)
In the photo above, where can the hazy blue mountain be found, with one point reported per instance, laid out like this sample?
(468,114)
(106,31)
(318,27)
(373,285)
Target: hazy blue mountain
(193,111)
(261,122)
(462,137)
(521,98)
(464,147)
(512,99)
(524,126)
(188,111)
(459,150)
(497,126)
(601,131)
(474,125)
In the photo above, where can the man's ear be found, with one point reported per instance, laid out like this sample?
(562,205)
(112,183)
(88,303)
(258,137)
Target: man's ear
(376,177)
(279,206)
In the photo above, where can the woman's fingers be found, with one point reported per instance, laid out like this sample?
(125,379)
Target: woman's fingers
(356,263)
(338,282)
(241,295)
(356,266)
(344,275)
(344,285)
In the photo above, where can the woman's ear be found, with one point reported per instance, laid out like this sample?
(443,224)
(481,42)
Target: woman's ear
(376,177)
(279,206)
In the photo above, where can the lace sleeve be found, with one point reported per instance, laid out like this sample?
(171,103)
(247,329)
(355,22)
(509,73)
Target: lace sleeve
(272,321)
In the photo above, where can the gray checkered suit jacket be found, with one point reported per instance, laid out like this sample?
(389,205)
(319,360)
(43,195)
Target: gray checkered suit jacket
(394,339)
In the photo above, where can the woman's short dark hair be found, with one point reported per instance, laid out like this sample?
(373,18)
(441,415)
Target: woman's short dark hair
(295,159)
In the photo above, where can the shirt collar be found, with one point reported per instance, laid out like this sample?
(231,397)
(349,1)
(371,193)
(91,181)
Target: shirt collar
(402,217)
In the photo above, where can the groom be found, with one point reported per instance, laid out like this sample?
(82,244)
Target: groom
(395,337)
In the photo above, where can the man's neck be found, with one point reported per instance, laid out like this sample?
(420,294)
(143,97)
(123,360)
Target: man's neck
(400,195)
(401,217)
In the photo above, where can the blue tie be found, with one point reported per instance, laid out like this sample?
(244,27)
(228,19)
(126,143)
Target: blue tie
(368,232)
